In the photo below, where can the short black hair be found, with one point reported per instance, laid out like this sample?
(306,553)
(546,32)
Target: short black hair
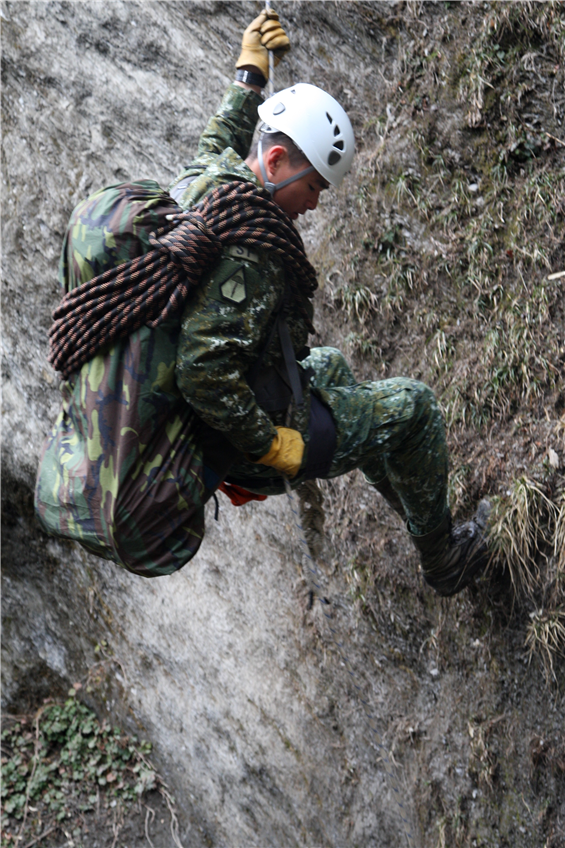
(295,155)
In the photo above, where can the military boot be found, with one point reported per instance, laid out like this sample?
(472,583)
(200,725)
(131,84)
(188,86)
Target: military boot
(385,488)
(452,556)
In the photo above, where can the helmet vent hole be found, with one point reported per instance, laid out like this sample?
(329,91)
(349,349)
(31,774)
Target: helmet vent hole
(329,117)
(339,144)
(334,157)
(336,130)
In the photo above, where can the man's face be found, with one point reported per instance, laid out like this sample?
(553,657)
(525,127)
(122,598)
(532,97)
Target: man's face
(303,194)
(299,196)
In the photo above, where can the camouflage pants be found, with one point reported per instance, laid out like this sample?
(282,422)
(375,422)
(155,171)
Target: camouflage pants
(387,428)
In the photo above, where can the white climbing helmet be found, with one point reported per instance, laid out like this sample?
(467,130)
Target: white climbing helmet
(316,123)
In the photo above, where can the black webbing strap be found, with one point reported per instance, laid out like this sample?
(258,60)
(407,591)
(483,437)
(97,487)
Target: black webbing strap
(290,360)
(289,356)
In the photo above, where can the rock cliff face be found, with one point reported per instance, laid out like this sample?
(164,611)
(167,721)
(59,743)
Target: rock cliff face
(256,720)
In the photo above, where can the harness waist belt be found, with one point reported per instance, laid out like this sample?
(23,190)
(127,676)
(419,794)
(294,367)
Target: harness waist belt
(322,441)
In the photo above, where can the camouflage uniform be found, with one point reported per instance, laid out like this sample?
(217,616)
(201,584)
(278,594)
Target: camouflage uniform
(391,428)
(143,423)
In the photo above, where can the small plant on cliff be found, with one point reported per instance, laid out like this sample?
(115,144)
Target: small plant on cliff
(527,540)
(63,763)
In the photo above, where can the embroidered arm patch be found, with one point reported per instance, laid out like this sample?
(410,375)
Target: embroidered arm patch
(233,289)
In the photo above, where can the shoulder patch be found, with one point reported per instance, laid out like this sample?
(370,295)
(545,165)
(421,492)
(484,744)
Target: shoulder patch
(239,251)
(233,288)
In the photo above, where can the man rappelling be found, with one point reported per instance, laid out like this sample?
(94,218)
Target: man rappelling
(185,359)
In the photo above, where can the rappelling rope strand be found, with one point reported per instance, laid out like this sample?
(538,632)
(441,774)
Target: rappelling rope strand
(315,585)
(271,60)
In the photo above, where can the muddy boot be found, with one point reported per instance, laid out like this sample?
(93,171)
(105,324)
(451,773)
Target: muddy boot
(385,488)
(452,556)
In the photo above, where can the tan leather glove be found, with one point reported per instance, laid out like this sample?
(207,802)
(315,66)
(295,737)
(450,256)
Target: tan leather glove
(286,452)
(263,34)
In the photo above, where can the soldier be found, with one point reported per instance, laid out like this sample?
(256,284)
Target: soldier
(392,430)
(154,422)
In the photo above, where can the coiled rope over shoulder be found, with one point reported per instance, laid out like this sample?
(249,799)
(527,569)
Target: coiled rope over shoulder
(155,287)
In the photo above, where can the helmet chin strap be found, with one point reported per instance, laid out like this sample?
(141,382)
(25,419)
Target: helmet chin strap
(273,187)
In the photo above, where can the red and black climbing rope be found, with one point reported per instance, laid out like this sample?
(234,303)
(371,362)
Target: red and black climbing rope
(154,288)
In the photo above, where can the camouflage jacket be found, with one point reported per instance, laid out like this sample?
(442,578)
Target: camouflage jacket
(227,323)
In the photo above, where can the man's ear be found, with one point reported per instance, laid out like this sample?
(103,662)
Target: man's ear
(274,158)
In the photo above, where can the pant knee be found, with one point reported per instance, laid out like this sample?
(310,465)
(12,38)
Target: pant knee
(330,367)
(325,357)
(424,401)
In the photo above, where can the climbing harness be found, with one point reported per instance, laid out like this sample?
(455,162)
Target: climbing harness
(314,581)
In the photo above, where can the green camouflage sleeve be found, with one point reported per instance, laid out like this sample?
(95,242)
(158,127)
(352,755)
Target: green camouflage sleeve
(223,169)
(223,146)
(224,328)
(231,127)
(233,124)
